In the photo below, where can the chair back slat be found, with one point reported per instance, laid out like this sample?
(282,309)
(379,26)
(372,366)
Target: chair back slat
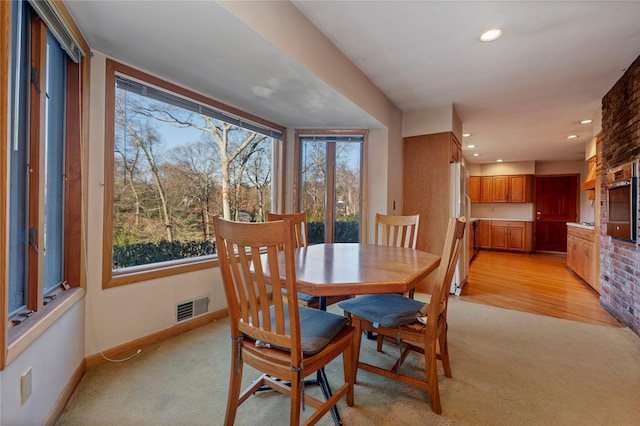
(247,252)
(398,231)
(451,252)
(300,229)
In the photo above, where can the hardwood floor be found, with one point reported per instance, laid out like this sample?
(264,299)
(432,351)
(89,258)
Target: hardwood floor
(538,283)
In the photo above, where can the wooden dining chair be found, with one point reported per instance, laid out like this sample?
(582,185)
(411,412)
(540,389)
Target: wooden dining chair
(395,316)
(398,231)
(285,341)
(299,221)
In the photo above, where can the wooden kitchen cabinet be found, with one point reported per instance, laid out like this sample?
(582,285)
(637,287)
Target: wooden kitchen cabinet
(474,189)
(500,189)
(506,189)
(426,190)
(486,189)
(471,232)
(511,235)
(484,234)
(521,189)
(581,253)
(456,150)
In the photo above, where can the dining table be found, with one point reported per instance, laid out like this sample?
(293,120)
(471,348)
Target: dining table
(351,269)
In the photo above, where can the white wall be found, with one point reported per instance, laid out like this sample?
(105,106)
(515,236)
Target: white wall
(285,26)
(121,314)
(53,358)
(428,121)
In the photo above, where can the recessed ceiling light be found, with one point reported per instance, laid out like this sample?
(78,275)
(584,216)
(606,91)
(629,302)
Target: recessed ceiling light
(466,135)
(572,136)
(491,35)
(499,161)
(587,121)
(471,146)
(476,155)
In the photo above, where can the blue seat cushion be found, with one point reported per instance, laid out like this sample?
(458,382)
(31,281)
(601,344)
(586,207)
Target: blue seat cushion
(388,310)
(306,298)
(317,328)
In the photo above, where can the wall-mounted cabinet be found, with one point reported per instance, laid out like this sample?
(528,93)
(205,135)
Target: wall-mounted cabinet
(474,189)
(502,189)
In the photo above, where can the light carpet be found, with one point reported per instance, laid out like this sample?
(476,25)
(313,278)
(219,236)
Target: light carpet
(509,368)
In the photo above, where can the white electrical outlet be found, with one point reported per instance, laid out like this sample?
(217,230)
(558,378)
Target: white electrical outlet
(25,386)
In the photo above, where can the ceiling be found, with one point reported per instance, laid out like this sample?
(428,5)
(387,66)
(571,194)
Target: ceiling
(519,97)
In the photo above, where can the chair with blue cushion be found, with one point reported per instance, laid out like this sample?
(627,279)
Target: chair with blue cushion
(396,231)
(396,316)
(283,340)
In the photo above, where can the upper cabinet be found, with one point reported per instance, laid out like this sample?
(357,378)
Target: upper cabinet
(474,189)
(486,189)
(501,189)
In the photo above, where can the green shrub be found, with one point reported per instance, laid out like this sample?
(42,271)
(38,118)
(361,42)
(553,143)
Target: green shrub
(147,253)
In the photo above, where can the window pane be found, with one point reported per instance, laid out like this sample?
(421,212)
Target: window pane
(314,187)
(18,160)
(53,241)
(175,167)
(347,192)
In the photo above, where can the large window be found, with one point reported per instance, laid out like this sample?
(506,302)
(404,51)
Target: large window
(174,160)
(44,257)
(330,182)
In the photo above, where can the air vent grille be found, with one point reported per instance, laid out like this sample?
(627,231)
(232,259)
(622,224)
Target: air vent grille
(192,308)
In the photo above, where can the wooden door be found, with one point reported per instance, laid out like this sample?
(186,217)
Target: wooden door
(556,204)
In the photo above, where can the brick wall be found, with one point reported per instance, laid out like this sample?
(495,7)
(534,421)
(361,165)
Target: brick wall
(619,260)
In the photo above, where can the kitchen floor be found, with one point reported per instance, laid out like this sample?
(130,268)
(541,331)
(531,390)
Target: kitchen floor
(538,283)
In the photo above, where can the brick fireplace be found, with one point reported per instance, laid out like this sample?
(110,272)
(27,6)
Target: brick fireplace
(619,260)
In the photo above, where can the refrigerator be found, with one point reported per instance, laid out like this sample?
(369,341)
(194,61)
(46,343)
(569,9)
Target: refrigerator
(460,206)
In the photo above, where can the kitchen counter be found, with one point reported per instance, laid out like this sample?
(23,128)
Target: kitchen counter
(501,218)
(581,225)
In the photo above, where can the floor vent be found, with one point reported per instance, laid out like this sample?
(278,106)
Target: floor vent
(192,308)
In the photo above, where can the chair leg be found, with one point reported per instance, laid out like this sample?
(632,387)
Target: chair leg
(235,383)
(432,376)
(444,352)
(350,367)
(296,399)
(379,342)
(357,340)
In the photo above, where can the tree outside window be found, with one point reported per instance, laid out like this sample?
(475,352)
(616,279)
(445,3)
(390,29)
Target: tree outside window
(175,164)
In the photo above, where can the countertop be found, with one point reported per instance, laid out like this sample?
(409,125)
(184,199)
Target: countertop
(506,219)
(580,225)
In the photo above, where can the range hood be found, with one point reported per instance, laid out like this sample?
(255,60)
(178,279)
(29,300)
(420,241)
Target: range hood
(590,181)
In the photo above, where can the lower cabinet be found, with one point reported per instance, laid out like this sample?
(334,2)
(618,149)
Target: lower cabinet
(484,234)
(506,235)
(581,253)
(509,235)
